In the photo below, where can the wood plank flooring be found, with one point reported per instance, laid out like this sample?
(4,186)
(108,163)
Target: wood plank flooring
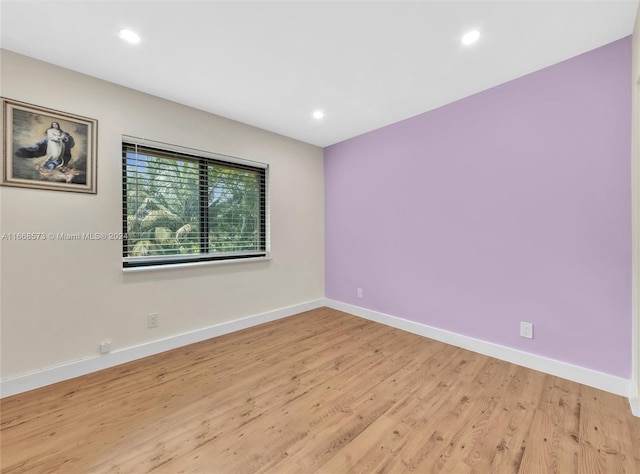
(322,392)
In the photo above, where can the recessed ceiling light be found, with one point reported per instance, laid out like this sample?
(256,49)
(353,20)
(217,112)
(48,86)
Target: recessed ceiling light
(471,37)
(318,114)
(129,36)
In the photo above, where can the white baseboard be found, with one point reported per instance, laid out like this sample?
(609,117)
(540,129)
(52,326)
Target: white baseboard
(23,383)
(592,378)
(51,375)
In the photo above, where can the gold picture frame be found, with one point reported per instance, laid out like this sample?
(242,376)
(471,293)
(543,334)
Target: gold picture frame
(48,149)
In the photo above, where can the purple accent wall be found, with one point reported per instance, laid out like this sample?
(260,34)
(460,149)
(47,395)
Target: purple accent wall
(509,205)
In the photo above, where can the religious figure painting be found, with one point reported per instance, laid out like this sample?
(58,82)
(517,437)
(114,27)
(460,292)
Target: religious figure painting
(48,149)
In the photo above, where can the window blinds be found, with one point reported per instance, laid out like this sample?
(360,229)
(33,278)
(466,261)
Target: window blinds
(182,205)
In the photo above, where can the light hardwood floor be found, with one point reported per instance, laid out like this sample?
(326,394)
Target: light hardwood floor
(322,391)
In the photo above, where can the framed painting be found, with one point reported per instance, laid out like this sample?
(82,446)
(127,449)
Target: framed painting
(48,149)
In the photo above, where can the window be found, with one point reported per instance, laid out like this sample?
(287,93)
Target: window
(182,205)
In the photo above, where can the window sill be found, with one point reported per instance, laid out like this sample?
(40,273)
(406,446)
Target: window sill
(172,266)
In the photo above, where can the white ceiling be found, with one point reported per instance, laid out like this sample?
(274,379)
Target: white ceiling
(271,64)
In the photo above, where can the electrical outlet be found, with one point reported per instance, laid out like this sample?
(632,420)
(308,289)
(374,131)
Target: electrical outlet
(359,292)
(152,320)
(105,347)
(526,330)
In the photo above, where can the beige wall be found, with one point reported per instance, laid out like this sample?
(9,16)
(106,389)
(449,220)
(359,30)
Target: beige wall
(635,173)
(59,300)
